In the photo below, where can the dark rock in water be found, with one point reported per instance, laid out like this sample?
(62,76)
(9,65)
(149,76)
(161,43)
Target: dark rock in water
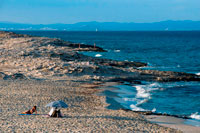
(124,64)
(65,56)
(85,47)
(125,79)
(58,42)
(161,114)
(167,76)
(3,76)
(97,71)
(154,75)
(109,62)
(17,76)
(113,63)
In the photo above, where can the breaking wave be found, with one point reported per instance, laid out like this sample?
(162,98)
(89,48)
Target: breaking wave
(195,116)
(98,55)
(117,51)
(133,96)
(198,73)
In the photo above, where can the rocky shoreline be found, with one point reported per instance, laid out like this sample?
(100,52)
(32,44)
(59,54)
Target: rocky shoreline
(40,57)
(25,60)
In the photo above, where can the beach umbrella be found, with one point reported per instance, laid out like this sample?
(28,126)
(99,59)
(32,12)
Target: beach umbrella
(58,104)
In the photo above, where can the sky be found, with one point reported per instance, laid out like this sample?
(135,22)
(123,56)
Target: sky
(73,11)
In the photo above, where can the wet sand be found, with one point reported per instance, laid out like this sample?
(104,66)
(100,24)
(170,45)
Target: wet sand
(173,122)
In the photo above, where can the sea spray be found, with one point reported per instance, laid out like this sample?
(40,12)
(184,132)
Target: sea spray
(153,110)
(117,51)
(98,55)
(131,97)
(141,92)
(195,116)
(135,108)
(198,73)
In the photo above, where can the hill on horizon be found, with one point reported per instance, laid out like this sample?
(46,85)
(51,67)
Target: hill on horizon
(170,25)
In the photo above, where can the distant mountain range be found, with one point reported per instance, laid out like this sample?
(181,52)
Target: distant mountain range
(107,26)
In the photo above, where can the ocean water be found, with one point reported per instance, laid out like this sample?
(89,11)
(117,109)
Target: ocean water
(166,51)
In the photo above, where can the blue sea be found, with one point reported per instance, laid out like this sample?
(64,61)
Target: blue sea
(162,50)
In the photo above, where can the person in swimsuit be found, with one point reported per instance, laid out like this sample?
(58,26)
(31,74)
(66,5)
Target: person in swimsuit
(31,111)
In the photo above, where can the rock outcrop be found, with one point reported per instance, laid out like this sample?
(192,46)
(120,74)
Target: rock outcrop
(23,56)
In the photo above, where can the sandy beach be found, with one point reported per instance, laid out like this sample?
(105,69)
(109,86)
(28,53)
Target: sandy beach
(86,112)
(37,71)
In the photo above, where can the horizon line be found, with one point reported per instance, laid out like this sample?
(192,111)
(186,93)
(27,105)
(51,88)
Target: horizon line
(99,22)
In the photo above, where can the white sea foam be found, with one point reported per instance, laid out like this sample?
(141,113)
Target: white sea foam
(116,50)
(142,67)
(141,92)
(195,116)
(129,99)
(154,110)
(144,92)
(154,86)
(98,55)
(133,97)
(198,73)
(135,108)
(141,101)
(137,96)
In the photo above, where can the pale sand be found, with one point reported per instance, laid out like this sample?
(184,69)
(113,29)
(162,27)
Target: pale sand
(173,122)
(86,111)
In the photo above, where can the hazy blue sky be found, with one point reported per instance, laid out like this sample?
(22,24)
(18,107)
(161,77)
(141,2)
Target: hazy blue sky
(72,11)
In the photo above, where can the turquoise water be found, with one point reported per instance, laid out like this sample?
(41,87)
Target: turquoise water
(168,51)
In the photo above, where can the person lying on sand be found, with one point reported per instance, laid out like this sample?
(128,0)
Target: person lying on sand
(31,111)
